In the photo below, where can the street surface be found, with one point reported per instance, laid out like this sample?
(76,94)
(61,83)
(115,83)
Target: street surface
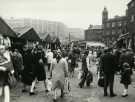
(91,94)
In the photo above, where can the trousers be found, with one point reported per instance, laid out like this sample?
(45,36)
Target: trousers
(108,82)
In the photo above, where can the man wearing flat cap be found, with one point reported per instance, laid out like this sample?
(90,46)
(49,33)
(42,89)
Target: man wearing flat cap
(108,67)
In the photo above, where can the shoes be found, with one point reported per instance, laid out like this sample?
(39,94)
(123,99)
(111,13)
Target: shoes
(46,91)
(32,93)
(35,87)
(62,95)
(125,95)
(24,90)
(88,85)
(80,85)
(113,95)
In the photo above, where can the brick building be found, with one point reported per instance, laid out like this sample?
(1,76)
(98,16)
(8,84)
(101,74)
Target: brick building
(94,33)
(131,21)
(113,28)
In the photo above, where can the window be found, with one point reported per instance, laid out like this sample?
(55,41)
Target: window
(108,25)
(107,33)
(113,32)
(119,23)
(132,18)
(119,31)
(103,26)
(113,24)
(125,23)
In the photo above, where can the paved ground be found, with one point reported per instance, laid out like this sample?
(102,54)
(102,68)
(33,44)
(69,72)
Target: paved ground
(92,94)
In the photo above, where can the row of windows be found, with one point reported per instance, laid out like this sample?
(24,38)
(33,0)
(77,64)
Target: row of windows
(97,32)
(113,32)
(113,24)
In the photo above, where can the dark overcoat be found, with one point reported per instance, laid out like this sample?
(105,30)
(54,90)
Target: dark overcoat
(38,64)
(126,72)
(27,73)
(108,64)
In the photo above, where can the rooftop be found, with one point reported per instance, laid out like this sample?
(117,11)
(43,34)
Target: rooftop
(21,30)
(95,27)
(117,18)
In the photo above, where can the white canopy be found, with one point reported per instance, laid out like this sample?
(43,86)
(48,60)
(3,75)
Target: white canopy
(95,44)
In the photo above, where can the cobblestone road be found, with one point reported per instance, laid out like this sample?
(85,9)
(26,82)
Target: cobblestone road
(92,94)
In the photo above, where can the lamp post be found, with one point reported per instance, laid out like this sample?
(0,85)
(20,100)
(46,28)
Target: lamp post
(69,37)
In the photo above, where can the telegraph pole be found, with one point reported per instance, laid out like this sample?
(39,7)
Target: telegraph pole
(69,37)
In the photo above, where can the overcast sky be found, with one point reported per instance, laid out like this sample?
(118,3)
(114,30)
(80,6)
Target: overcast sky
(74,13)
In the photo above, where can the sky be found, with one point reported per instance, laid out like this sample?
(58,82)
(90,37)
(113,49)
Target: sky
(73,13)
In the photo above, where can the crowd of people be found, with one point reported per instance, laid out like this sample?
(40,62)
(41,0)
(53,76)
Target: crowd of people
(31,65)
(114,61)
(54,68)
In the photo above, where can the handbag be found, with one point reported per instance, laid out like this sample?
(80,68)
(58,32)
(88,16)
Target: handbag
(101,80)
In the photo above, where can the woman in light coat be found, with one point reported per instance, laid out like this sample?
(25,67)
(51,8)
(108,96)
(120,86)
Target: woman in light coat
(59,70)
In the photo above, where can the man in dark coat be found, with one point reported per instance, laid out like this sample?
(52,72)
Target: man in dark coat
(38,66)
(38,61)
(27,73)
(117,54)
(108,67)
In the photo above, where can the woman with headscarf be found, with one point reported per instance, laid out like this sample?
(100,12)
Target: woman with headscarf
(59,73)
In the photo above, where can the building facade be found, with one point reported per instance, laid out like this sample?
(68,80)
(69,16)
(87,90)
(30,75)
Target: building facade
(113,28)
(94,33)
(131,22)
